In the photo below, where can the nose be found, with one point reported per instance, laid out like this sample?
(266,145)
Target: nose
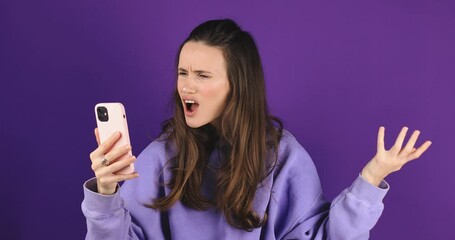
(189,90)
(187,84)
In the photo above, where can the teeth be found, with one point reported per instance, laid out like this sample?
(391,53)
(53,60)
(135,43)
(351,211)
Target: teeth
(189,101)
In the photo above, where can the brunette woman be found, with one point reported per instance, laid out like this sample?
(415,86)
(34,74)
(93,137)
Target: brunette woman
(224,168)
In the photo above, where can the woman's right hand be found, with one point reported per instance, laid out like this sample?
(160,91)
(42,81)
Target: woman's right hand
(106,178)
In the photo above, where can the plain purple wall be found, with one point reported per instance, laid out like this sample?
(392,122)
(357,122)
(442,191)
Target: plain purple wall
(335,72)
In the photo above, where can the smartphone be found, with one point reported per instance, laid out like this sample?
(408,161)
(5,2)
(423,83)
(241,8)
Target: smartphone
(111,118)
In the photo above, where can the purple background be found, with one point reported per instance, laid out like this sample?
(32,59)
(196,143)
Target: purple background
(335,72)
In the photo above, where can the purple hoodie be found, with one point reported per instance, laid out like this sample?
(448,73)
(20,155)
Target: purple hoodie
(291,196)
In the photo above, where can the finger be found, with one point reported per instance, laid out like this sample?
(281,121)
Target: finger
(103,171)
(114,167)
(412,141)
(381,139)
(121,177)
(97,136)
(106,145)
(419,151)
(117,153)
(112,156)
(400,139)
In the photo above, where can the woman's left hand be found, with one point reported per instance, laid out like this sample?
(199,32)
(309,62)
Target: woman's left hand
(386,162)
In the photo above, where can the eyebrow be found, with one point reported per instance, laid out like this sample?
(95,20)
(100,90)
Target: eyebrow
(196,71)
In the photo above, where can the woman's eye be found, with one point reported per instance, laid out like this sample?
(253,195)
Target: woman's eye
(183,74)
(203,76)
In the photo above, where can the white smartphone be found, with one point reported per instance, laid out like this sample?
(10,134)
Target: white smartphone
(111,118)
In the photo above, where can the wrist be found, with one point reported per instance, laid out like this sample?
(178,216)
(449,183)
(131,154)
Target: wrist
(106,191)
(370,177)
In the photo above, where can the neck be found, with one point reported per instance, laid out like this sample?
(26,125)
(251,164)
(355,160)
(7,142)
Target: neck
(217,125)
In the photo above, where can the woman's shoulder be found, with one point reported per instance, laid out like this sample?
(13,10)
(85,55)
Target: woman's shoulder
(149,164)
(289,142)
(287,136)
(291,152)
(296,170)
(157,153)
(162,144)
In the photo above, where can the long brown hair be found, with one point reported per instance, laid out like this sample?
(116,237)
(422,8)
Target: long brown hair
(248,135)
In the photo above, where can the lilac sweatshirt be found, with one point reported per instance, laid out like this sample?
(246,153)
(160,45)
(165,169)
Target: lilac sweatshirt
(291,196)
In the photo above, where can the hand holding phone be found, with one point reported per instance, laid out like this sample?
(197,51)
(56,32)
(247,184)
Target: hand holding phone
(112,161)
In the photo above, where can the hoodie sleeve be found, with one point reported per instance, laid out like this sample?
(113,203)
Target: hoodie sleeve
(124,215)
(300,210)
(351,215)
(106,215)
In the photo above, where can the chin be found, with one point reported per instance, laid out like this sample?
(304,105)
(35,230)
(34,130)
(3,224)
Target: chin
(194,124)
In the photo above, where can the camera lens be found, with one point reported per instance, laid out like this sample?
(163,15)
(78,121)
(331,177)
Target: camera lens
(103,116)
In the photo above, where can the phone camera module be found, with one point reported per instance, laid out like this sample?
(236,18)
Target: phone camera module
(103,116)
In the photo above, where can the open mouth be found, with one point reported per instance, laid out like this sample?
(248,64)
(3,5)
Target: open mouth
(190,106)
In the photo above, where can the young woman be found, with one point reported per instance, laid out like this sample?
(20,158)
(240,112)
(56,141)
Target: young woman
(223,168)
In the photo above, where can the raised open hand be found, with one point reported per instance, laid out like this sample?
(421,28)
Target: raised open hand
(388,161)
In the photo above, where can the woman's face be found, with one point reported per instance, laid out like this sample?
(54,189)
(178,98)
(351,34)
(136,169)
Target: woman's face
(202,83)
